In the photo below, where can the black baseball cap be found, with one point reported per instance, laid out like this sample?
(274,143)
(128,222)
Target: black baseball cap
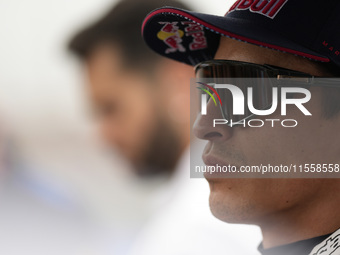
(306,28)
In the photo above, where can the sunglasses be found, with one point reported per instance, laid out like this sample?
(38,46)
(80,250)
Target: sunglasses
(260,78)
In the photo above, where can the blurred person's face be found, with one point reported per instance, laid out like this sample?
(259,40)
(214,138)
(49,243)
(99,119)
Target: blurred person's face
(314,140)
(1,154)
(3,162)
(132,112)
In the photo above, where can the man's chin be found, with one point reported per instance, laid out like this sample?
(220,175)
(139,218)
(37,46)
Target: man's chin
(230,208)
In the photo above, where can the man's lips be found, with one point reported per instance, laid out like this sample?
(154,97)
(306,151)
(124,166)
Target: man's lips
(210,160)
(210,157)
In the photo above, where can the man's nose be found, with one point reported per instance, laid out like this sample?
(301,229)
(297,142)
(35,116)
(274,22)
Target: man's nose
(204,125)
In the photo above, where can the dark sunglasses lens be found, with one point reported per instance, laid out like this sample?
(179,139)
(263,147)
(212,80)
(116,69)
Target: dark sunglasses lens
(254,83)
(231,69)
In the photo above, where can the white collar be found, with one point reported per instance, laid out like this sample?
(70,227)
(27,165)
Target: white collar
(329,246)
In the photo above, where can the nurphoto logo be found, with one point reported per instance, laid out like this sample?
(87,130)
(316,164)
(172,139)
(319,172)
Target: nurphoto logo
(240,109)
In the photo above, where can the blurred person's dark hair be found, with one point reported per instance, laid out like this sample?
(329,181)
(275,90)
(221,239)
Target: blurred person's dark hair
(121,27)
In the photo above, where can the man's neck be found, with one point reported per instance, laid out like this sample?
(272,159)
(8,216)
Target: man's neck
(316,218)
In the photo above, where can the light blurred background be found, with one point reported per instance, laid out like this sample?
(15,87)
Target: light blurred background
(45,116)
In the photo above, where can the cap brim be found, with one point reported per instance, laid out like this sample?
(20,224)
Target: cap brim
(175,33)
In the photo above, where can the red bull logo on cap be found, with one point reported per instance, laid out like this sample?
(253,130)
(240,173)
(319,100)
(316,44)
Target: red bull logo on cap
(268,8)
(196,31)
(172,36)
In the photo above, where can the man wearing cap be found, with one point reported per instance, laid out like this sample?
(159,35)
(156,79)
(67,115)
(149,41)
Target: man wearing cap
(268,39)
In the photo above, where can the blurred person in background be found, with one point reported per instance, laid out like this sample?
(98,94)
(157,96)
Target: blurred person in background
(2,153)
(142,106)
(139,114)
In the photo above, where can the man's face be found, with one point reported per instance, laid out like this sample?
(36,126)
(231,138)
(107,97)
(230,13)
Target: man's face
(130,115)
(314,140)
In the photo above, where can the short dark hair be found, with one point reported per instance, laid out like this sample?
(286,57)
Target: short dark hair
(121,27)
